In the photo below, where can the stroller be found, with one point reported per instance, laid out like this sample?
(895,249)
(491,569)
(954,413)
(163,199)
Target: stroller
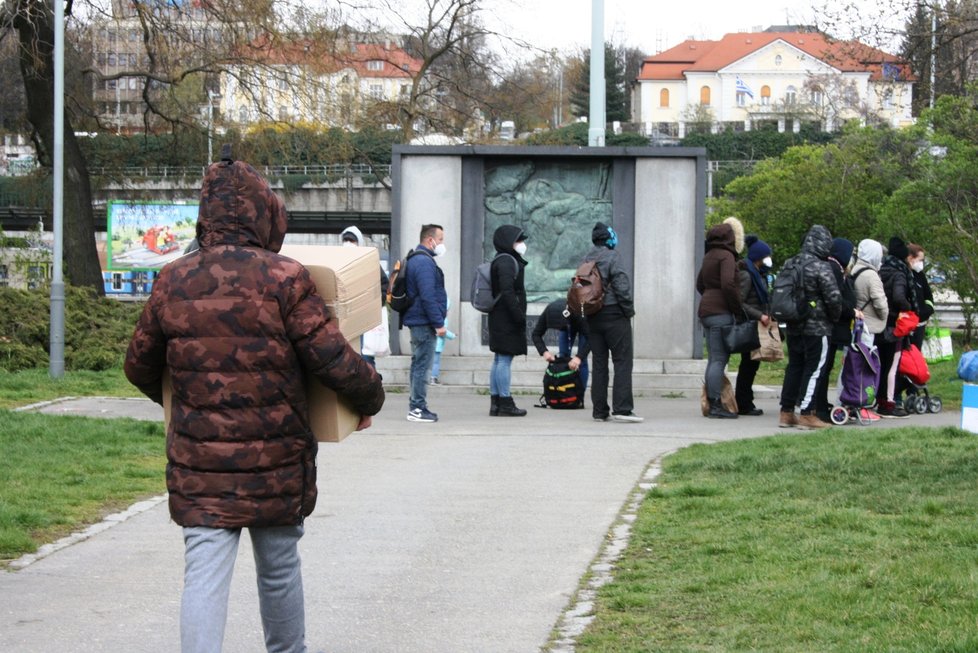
(860,379)
(913,370)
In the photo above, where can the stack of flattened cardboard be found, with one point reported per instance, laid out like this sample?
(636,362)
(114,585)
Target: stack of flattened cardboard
(348,278)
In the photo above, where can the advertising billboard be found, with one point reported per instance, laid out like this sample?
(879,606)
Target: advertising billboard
(148,235)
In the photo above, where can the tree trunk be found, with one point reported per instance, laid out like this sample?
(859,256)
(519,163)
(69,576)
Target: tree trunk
(34,21)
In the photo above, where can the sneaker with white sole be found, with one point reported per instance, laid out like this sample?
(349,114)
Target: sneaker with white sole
(421,415)
(627,417)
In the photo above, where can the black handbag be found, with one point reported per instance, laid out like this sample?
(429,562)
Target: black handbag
(741,338)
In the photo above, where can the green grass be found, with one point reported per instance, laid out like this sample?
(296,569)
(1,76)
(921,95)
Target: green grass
(30,386)
(59,473)
(835,541)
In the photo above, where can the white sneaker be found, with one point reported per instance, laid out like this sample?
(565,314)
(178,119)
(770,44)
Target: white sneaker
(627,417)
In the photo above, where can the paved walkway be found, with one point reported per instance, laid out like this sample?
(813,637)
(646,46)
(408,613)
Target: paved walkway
(470,534)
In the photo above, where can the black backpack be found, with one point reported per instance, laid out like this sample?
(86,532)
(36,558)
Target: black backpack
(788,303)
(562,386)
(397,294)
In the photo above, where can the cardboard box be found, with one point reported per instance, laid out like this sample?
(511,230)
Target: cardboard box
(348,278)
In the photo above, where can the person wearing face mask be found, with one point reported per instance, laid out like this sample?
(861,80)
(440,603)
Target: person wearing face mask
(925,303)
(901,295)
(426,316)
(353,237)
(610,331)
(752,275)
(507,319)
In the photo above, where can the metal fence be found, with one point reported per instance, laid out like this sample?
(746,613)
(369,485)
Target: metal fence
(327,171)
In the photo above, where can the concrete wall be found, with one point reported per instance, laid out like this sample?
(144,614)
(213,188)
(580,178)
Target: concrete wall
(658,202)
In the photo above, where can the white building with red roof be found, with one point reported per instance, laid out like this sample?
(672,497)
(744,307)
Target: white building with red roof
(746,80)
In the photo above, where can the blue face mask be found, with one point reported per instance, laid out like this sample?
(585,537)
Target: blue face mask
(612,242)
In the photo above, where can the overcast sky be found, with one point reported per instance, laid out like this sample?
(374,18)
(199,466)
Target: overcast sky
(654,25)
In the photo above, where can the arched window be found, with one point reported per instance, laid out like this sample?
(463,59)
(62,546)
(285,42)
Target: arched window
(664,97)
(705,96)
(765,95)
(777,60)
(243,114)
(791,95)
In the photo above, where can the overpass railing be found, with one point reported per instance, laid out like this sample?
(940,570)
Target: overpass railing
(328,171)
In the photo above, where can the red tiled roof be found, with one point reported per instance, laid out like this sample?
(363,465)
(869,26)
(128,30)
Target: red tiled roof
(396,62)
(712,56)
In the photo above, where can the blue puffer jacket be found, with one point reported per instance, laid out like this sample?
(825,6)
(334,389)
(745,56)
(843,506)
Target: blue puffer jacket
(426,285)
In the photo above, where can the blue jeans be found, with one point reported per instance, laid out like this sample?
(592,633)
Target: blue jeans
(499,375)
(209,562)
(436,365)
(717,354)
(565,342)
(422,355)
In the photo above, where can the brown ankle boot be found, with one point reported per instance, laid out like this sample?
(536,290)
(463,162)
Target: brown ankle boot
(788,419)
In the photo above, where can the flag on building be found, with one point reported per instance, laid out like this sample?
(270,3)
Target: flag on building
(742,88)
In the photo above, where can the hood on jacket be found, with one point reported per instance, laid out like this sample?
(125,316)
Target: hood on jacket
(237,207)
(738,231)
(870,252)
(722,236)
(356,233)
(841,251)
(818,242)
(506,236)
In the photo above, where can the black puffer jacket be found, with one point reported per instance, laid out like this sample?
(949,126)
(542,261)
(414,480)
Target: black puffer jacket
(507,320)
(820,285)
(898,284)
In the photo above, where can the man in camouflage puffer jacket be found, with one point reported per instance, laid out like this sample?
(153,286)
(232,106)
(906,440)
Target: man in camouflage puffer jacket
(808,341)
(236,325)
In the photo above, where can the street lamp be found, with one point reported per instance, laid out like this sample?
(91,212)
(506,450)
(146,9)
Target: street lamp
(211,96)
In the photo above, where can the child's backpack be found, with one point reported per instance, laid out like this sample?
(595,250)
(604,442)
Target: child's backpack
(788,303)
(481,294)
(860,371)
(397,294)
(586,294)
(562,386)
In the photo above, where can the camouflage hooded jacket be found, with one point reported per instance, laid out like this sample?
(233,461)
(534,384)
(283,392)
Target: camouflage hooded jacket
(236,325)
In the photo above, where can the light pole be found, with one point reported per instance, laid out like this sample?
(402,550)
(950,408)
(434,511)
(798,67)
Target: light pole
(596,119)
(57,330)
(211,95)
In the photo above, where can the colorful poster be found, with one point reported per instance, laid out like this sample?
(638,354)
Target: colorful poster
(148,235)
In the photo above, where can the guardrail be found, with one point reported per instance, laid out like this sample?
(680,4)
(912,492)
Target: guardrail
(328,171)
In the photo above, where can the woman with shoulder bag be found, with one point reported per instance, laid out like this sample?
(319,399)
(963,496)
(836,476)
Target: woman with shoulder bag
(717,283)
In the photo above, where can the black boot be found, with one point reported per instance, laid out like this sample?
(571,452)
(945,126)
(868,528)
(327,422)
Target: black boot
(494,406)
(717,411)
(507,408)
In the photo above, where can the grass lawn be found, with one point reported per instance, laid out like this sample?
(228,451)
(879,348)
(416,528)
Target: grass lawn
(30,386)
(58,474)
(843,540)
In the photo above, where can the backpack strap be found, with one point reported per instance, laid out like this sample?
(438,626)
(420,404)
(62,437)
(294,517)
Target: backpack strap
(853,279)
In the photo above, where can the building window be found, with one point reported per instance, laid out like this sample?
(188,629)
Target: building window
(817,97)
(405,90)
(765,95)
(887,99)
(791,95)
(4,276)
(664,98)
(116,281)
(777,60)
(283,113)
(243,114)
(377,91)
(375,64)
(741,99)
(705,96)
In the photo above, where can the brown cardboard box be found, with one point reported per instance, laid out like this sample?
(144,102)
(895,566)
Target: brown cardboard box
(348,278)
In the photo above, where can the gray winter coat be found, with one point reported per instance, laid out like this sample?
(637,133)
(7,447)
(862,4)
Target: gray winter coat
(617,285)
(820,285)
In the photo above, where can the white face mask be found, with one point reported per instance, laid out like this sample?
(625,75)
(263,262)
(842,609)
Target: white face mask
(767,262)
(520,248)
(918,266)
(440,249)
(347,243)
